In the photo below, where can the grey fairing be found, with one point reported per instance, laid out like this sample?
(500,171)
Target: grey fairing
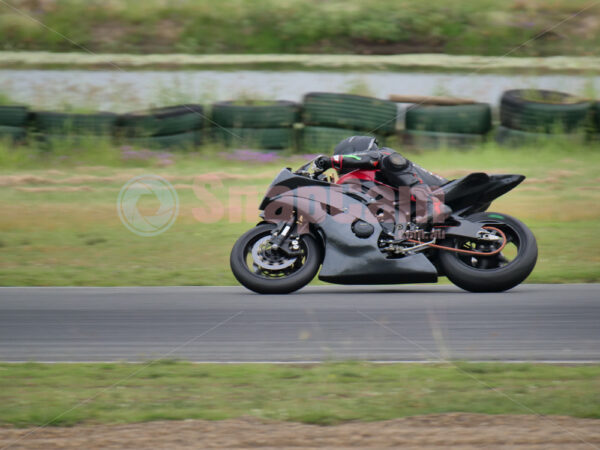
(349,259)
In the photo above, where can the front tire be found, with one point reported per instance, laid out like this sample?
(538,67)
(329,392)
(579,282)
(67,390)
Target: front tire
(494,273)
(273,273)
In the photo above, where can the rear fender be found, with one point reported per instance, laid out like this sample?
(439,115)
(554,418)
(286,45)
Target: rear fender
(500,185)
(476,191)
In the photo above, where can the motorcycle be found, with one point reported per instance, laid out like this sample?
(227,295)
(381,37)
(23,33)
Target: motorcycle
(358,230)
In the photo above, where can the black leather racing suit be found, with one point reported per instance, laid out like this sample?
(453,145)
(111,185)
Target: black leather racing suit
(395,170)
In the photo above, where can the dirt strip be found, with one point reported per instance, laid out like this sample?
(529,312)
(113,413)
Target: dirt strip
(456,430)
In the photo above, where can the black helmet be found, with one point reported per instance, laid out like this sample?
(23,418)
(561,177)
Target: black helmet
(355,144)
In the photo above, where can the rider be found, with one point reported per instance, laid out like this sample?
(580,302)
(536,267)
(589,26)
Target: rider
(363,153)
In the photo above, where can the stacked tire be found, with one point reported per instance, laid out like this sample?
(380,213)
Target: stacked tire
(59,128)
(531,115)
(172,127)
(265,126)
(447,126)
(13,120)
(329,118)
(595,128)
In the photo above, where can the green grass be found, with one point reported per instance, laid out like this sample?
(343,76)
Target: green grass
(584,65)
(5,99)
(59,225)
(487,27)
(39,394)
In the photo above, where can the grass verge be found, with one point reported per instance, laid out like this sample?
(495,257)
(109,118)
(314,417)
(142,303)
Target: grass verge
(325,394)
(486,27)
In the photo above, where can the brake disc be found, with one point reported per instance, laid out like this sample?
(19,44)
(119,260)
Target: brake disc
(266,258)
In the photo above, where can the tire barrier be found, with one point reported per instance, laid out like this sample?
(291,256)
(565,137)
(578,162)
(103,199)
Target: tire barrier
(324,139)
(353,112)
(277,114)
(428,126)
(185,141)
(437,139)
(14,134)
(595,118)
(268,125)
(65,124)
(259,138)
(13,116)
(13,120)
(171,127)
(541,111)
(57,129)
(526,116)
(508,136)
(171,120)
(459,119)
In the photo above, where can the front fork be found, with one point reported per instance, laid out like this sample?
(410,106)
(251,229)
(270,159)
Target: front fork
(280,236)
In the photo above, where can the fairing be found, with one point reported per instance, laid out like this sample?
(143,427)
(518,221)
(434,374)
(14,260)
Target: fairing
(348,259)
(476,191)
(352,260)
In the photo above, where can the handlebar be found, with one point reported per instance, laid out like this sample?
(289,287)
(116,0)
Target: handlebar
(305,169)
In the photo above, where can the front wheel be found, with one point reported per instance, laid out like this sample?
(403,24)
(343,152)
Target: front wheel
(498,272)
(260,268)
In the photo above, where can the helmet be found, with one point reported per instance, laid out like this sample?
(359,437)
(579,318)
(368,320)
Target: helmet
(356,144)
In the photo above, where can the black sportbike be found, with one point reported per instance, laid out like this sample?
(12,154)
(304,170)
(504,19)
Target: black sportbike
(360,231)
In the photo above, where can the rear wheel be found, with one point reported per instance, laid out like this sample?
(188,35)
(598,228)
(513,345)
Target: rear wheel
(262,269)
(496,273)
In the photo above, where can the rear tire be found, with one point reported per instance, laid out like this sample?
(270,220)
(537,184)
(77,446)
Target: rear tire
(276,282)
(492,274)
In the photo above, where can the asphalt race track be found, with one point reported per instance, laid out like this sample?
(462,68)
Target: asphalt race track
(228,324)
